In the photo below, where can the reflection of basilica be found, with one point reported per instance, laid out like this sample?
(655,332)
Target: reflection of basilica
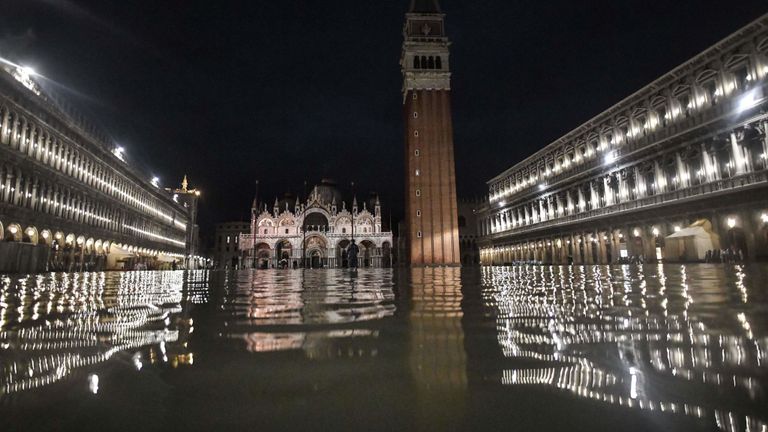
(317,312)
(319,229)
(658,340)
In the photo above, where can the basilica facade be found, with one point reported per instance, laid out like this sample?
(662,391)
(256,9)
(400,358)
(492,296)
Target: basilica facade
(316,233)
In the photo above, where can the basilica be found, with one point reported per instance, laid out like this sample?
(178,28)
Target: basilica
(315,233)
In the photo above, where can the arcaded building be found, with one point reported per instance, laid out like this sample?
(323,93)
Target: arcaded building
(70,197)
(316,232)
(674,172)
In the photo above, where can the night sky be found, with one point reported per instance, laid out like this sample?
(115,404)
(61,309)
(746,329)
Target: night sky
(285,91)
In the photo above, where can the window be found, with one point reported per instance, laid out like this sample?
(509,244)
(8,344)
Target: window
(418,234)
(286,230)
(416,62)
(415,96)
(415,115)
(343,230)
(265,231)
(417,152)
(228,239)
(416,133)
(439,62)
(418,194)
(418,173)
(418,213)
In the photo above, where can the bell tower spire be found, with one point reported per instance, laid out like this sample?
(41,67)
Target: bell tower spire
(430,178)
(425,6)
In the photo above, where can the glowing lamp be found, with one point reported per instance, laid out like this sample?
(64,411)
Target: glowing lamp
(731,222)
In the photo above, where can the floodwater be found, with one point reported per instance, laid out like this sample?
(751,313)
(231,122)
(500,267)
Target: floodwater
(665,347)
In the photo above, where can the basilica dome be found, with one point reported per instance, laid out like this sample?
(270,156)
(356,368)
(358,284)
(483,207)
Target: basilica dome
(328,190)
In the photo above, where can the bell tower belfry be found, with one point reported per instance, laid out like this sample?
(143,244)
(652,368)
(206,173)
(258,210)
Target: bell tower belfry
(430,178)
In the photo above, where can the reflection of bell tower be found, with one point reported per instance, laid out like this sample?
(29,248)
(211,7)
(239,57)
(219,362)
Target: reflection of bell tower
(431,210)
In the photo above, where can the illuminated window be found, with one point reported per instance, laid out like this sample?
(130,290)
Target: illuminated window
(228,239)
(418,173)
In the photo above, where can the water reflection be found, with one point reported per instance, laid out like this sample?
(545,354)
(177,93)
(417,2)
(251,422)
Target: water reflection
(672,339)
(437,356)
(52,325)
(307,310)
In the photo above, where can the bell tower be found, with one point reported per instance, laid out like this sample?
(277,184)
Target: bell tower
(430,178)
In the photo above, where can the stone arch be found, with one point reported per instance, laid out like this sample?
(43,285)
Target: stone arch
(367,252)
(13,233)
(46,237)
(31,235)
(316,220)
(283,249)
(263,255)
(316,250)
(341,253)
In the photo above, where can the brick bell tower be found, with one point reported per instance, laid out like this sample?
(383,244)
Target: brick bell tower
(430,178)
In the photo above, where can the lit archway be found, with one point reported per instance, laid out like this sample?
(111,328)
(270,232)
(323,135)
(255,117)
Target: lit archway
(30,235)
(13,233)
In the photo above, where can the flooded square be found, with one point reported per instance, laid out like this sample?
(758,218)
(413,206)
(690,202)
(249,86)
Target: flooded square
(662,347)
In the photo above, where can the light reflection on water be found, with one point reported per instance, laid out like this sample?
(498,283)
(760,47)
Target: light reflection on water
(55,324)
(290,310)
(427,349)
(673,339)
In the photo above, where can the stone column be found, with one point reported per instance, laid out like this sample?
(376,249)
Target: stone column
(682,172)
(602,245)
(640,186)
(737,156)
(661,181)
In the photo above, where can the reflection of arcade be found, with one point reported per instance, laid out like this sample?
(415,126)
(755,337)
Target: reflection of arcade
(438,359)
(96,317)
(615,338)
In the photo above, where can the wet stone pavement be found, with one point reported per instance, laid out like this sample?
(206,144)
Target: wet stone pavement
(661,347)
